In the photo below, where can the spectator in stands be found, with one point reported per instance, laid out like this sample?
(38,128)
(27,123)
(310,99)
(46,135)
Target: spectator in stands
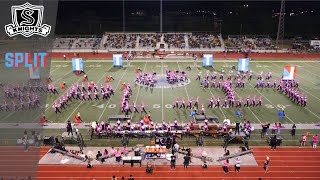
(315,140)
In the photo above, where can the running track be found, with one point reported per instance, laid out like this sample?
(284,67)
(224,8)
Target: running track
(285,163)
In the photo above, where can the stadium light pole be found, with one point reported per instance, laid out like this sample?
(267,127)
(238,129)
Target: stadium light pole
(280,33)
(160,16)
(123,18)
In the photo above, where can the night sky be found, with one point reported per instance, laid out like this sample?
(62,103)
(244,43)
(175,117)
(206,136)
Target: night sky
(237,17)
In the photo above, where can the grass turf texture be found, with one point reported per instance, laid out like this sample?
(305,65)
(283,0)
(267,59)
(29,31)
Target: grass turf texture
(160,100)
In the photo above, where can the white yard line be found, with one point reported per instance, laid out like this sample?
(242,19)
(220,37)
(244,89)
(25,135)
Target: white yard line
(113,95)
(139,87)
(312,112)
(56,68)
(186,92)
(308,71)
(162,114)
(311,65)
(83,101)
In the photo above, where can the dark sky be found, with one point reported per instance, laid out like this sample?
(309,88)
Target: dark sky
(95,17)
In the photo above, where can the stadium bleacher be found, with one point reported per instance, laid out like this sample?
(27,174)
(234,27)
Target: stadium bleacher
(76,42)
(259,42)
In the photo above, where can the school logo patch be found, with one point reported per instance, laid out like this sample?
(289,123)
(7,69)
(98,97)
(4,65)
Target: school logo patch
(27,21)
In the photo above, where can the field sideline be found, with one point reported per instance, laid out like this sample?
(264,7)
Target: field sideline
(159,100)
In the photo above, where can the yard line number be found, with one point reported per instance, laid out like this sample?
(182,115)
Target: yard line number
(154,106)
(280,106)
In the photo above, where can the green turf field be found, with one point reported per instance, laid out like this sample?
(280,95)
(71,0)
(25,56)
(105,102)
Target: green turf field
(159,101)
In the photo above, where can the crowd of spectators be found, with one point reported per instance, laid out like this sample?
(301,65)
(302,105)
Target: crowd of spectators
(175,40)
(76,43)
(204,41)
(253,43)
(119,41)
(149,40)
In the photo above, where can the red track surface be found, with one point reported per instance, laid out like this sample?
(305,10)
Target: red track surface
(285,163)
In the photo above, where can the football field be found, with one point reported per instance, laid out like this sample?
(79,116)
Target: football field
(159,101)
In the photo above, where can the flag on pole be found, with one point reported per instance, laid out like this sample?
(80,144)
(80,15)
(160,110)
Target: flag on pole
(34,72)
(289,72)
(117,59)
(243,64)
(77,64)
(207,60)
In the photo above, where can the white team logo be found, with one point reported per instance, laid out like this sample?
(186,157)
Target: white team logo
(27,21)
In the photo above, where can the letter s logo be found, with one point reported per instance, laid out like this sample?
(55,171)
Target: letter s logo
(27,16)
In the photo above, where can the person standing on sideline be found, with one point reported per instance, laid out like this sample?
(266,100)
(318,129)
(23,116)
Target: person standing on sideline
(315,140)
(69,128)
(266,164)
(237,128)
(303,140)
(114,178)
(186,161)
(173,162)
(274,127)
(293,130)
(273,142)
(237,165)
(226,166)
(278,128)
(131,177)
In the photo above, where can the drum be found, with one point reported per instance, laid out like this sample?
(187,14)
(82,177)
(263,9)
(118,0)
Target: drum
(19,141)
(164,149)
(152,149)
(147,148)
(157,148)
(93,125)
(161,150)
